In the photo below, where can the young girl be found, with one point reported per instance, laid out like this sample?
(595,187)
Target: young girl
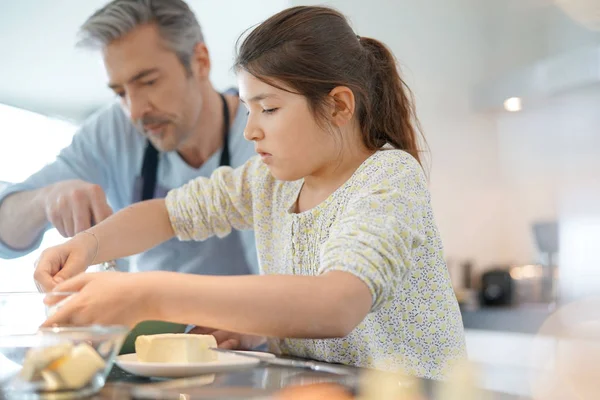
(352,263)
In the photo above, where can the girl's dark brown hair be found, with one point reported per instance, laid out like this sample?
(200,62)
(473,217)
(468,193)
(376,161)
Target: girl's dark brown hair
(313,50)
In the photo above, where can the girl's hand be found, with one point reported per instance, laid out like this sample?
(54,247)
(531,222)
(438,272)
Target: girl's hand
(106,298)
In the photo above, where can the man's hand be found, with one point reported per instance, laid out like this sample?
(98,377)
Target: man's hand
(74,206)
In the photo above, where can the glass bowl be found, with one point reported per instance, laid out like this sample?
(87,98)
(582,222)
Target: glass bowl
(24,312)
(51,363)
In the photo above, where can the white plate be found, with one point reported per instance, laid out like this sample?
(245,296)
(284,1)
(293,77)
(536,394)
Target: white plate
(225,362)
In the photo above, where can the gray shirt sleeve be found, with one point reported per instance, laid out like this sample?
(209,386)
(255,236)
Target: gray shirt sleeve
(86,158)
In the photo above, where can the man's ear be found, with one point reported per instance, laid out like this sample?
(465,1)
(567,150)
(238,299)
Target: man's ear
(200,61)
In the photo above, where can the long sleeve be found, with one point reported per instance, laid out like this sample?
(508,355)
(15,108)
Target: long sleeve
(213,206)
(380,228)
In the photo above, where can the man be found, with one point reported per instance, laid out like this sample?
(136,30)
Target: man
(170,127)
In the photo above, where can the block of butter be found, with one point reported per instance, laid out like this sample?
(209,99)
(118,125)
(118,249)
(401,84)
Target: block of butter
(75,370)
(38,359)
(175,348)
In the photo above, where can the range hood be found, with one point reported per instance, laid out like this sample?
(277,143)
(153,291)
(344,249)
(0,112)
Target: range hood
(548,77)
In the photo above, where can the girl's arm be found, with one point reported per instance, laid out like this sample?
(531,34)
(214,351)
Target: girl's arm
(329,305)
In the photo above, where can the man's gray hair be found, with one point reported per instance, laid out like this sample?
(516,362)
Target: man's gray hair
(176,23)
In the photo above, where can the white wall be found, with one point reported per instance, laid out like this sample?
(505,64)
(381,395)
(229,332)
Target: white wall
(222,23)
(550,156)
(549,153)
(565,33)
(515,33)
(520,32)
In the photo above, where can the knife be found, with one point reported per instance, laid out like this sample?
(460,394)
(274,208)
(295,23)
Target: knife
(284,362)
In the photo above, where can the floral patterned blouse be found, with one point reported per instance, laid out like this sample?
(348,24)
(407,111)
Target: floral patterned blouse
(378,226)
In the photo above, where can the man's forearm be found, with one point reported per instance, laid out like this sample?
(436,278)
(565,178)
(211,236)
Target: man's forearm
(22,219)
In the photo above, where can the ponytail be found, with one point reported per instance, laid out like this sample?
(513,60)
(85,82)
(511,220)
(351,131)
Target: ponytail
(389,113)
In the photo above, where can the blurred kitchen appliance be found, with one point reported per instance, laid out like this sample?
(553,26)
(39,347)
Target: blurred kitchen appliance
(527,281)
(547,242)
(497,287)
(462,282)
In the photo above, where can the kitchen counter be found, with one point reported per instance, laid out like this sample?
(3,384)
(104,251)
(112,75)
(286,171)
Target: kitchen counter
(520,319)
(251,383)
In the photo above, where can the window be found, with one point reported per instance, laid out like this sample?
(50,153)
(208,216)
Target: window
(28,142)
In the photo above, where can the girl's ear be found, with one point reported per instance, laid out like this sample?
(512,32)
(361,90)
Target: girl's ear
(343,105)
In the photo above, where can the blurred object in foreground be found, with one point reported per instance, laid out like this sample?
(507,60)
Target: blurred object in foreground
(572,371)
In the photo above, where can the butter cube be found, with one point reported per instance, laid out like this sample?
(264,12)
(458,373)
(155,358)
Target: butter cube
(175,348)
(75,370)
(38,359)
(52,381)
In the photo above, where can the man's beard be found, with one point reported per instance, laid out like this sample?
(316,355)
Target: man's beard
(150,120)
